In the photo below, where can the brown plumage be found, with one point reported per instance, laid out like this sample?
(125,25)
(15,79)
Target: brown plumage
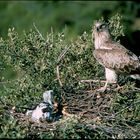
(113,56)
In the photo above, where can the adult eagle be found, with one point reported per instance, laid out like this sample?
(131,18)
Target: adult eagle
(114,57)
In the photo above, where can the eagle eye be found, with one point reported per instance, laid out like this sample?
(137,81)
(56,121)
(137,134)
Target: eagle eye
(103,26)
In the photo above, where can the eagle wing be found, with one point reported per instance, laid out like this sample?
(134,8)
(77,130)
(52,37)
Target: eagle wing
(121,60)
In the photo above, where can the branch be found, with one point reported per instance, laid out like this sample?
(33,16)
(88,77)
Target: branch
(94,81)
(58,76)
(62,54)
(38,31)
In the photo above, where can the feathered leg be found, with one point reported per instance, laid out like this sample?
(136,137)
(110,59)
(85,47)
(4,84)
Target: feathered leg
(111,77)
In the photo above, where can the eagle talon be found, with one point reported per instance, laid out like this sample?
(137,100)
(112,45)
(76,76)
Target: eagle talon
(102,89)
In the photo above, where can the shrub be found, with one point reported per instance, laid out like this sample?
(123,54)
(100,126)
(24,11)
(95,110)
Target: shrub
(53,62)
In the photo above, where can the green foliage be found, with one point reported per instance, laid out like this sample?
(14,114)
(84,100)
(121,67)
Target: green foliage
(115,25)
(41,63)
(57,14)
(10,128)
(66,128)
(51,14)
(35,61)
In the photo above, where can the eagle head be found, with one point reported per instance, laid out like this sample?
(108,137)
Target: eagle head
(100,26)
(100,33)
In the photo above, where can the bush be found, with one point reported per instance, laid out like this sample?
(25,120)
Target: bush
(53,62)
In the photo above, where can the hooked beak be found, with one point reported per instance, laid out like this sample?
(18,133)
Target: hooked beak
(97,29)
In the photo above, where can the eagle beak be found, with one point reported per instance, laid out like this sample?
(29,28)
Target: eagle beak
(97,29)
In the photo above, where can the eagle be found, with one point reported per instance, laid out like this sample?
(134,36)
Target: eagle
(114,57)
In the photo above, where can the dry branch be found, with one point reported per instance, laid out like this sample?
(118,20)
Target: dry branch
(62,54)
(94,81)
(58,76)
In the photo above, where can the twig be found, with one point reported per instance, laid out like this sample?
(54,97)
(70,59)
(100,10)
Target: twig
(94,81)
(38,31)
(58,76)
(92,94)
(58,60)
(62,54)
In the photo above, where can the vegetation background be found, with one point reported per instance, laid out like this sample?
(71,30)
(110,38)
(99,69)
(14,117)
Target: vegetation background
(27,28)
(75,16)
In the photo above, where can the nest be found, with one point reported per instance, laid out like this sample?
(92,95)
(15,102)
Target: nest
(94,109)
